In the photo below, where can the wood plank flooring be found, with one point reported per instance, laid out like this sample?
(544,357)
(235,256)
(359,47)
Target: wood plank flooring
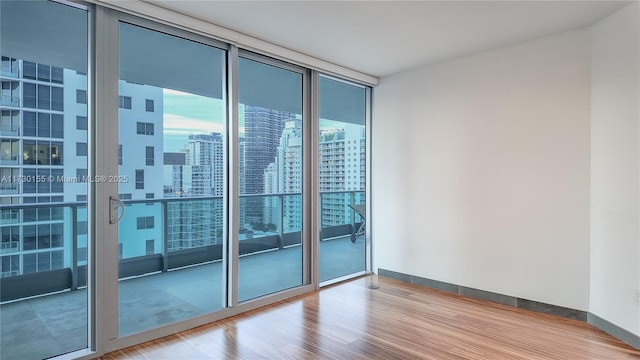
(396,321)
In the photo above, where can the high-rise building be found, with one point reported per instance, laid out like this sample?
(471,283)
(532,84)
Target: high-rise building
(284,176)
(34,153)
(263,128)
(43,159)
(197,222)
(204,154)
(140,157)
(174,173)
(342,171)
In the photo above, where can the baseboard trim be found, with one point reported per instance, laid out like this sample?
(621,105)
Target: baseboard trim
(614,330)
(568,313)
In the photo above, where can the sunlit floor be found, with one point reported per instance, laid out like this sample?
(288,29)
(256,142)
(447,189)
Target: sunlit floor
(50,325)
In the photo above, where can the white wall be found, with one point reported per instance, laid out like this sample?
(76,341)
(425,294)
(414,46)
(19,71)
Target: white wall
(615,169)
(481,171)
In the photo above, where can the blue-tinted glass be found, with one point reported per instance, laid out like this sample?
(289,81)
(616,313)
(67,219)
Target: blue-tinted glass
(29,95)
(29,185)
(29,70)
(57,101)
(43,43)
(44,125)
(29,237)
(57,126)
(271,107)
(156,98)
(29,121)
(342,178)
(44,97)
(57,75)
(29,263)
(44,261)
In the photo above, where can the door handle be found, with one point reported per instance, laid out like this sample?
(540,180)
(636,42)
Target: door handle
(114,205)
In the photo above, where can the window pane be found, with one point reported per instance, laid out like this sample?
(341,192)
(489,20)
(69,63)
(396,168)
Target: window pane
(43,183)
(44,97)
(150,247)
(45,43)
(29,237)
(44,72)
(57,153)
(57,126)
(81,96)
(44,261)
(82,228)
(272,157)
(149,155)
(57,102)
(56,260)
(342,178)
(81,122)
(44,125)
(29,95)
(165,108)
(44,235)
(81,174)
(57,185)
(124,102)
(139,179)
(29,119)
(57,75)
(29,70)
(29,263)
(81,149)
(57,235)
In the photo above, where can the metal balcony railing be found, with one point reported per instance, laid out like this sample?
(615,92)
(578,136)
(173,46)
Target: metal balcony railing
(184,239)
(9,130)
(9,71)
(8,100)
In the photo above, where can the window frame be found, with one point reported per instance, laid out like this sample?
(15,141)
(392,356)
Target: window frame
(104,104)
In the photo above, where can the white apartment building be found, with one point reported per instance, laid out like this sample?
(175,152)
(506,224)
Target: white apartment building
(43,159)
(284,176)
(197,222)
(342,171)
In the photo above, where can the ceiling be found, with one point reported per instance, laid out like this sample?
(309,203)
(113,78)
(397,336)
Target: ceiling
(380,38)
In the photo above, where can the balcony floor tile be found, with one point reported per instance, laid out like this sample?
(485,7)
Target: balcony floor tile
(45,326)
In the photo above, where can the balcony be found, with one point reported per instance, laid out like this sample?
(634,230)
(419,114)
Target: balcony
(9,71)
(9,101)
(9,159)
(9,130)
(44,313)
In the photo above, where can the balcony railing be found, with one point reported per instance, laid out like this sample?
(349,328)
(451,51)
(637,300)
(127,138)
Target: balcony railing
(185,239)
(8,100)
(8,188)
(9,71)
(9,159)
(9,130)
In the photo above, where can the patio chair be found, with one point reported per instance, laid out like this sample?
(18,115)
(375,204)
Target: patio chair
(361,210)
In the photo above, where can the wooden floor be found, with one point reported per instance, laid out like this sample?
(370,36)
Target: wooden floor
(396,321)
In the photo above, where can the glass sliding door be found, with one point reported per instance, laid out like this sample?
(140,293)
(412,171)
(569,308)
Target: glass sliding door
(342,178)
(43,203)
(270,178)
(171,160)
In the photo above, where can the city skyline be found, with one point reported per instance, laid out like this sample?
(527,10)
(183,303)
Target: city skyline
(45,136)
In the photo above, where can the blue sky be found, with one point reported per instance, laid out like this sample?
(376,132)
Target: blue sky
(187,114)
